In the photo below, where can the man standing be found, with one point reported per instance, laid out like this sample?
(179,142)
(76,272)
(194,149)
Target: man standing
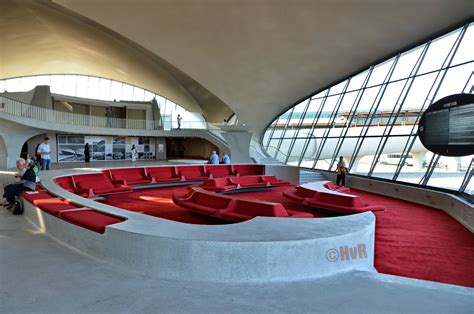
(179,121)
(341,172)
(45,151)
(108,114)
(226,159)
(214,160)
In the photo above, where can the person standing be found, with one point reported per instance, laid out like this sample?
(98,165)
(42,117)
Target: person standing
(179,121)
(226,159)
(134,154)
(108,114)
(341,172)
(214,160)
(87,153)
(45,151)
(38,155)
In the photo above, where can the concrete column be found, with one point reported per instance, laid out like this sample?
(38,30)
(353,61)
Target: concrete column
(14,136)
(238,143)
(418,159)
(458,163)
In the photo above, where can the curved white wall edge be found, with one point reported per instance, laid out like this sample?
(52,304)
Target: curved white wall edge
(454,206)
(260,250)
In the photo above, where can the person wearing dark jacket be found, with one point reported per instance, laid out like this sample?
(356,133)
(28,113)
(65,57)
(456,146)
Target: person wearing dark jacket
(27,183)
(87,153)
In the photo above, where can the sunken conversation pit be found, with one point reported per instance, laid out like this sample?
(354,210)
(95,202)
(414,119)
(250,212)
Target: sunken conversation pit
(245,248)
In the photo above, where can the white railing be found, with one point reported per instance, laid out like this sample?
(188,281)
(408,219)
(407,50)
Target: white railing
(23,110)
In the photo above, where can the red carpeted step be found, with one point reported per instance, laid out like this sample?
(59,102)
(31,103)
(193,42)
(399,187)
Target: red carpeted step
(91,219)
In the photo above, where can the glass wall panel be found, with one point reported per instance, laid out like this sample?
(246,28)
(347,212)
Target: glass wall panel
(371,118)
(93,87)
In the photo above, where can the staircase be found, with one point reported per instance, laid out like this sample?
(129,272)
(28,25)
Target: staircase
(310,176)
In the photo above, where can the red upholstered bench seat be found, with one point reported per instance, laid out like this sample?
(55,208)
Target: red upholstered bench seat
(163,174)
(246,170)
(91,219)
(273,180)
(219,171)
(192,172)
(55,206)
(241,210)
(341,203)
(299,194)
(206,203)
(218,185)
(249,181)
(333,187)
(34,196)
(66,183)
(128,176)
(233,209)
(97,184)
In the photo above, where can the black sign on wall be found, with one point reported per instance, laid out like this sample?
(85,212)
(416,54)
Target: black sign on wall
(447,126)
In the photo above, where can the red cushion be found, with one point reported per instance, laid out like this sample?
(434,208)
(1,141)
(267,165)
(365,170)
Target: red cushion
(213,201)
(65,182)
(219,171)
(55,207)
(191,172)
(128,177)
(198,207)
(245,170)
(252,208)
(112,190)
(248,180)
(93,181)
(91,219)
(33,196)
(161,172)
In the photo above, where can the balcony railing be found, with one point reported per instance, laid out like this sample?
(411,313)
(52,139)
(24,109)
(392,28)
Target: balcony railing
(20,109)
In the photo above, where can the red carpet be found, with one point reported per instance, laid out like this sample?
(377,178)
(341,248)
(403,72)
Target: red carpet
(421,242)
(411,240)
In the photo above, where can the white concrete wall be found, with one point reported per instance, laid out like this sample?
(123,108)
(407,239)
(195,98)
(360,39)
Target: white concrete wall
(455,206)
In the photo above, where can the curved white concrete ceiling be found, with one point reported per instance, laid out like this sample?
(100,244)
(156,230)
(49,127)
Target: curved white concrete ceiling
(39,37)
(261,56)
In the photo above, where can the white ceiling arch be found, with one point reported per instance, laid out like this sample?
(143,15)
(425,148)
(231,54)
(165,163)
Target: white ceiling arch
(261,56)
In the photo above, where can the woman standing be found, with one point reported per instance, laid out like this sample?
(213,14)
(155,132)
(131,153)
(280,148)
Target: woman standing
(134,154)
(87,153)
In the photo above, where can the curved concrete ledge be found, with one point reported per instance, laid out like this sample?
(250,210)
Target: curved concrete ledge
(260,250)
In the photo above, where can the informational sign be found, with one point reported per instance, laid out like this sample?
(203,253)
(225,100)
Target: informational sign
(447,126)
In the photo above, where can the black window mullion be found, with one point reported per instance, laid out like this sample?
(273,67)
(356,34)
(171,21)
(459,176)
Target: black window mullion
(372,113)
(467,176)
(277,148)
(413,135)
(331,123)
(315,122)
(390,124)
(298,128)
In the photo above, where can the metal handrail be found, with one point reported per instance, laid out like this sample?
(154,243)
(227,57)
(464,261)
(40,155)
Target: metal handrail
(20,109)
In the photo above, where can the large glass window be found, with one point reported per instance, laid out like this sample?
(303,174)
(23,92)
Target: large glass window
(372,117)
(93,87)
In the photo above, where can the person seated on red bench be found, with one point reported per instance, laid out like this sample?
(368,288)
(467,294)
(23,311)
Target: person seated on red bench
(27,183)
(341,172)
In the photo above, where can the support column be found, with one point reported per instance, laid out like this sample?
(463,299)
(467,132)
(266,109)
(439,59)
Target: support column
(14,136)
(418,159)
(238,143)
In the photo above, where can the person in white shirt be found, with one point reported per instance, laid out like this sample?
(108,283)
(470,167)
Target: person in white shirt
(134,154)
(45,151)
(341,172)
